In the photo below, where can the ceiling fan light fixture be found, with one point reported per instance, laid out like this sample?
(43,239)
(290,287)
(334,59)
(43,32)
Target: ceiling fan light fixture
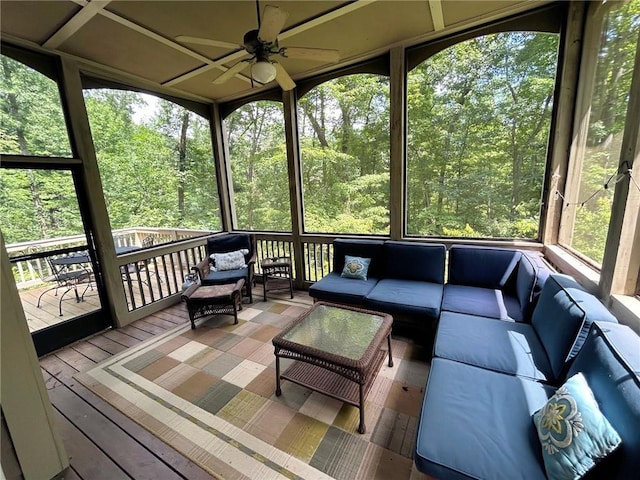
(263,71)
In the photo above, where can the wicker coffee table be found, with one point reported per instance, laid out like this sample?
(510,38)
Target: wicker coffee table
(337,350)
(213,299)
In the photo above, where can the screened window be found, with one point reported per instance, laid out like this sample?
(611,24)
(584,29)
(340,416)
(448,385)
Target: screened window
(344,146)
(479,114)
(156,166)
(38,205)
(588,208)
(258,157)
(32,122)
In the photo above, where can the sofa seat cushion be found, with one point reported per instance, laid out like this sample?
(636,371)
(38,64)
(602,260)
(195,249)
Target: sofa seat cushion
(476,423)
(484,302)
(406,297)
(507,347)
(334,288)
(225,276)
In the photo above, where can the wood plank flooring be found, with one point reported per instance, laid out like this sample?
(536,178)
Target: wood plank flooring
(102,442)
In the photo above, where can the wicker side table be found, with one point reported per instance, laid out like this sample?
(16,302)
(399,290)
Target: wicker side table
(213,300)
(276,275)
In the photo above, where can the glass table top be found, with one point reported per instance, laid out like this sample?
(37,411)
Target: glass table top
(337,331)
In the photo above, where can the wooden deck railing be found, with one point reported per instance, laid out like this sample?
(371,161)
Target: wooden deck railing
(150,275)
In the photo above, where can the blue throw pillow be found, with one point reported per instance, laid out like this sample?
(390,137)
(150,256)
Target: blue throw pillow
(355,267)
(573,432)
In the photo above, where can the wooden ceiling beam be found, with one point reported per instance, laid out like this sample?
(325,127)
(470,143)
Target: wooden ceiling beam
(435,7)
(80,19)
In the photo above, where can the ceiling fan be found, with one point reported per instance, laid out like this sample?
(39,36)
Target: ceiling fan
(261,44)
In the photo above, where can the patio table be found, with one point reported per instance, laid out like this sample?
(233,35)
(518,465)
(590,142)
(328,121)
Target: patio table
(338,351)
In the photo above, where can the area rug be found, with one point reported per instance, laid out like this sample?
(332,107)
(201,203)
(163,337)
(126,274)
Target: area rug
(209,393)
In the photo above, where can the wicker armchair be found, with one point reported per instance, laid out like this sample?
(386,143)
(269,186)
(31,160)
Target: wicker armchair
(224,244)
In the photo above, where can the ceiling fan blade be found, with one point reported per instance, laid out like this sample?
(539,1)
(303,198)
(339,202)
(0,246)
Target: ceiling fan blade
(237,68)
(273,20)
(317,54)
(283,78)
(207,41)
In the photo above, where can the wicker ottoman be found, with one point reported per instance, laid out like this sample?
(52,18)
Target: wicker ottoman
(213,299)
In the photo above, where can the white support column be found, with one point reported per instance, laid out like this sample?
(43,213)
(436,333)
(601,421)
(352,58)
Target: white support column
(71,91)
(23,396)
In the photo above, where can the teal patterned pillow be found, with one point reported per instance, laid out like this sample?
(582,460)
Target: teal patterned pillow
(355,267)
(573,432)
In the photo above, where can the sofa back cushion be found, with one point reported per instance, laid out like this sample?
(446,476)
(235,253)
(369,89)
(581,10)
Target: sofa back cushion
(484,267)
(414,261)
(610,362)
(542,272)
(358,248)
(525,284)
(562,318)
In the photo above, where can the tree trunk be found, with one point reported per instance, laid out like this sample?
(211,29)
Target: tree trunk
(317,128)
(182,161)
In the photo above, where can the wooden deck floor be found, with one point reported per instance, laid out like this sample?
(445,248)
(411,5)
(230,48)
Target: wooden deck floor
(101,442)
(48,313)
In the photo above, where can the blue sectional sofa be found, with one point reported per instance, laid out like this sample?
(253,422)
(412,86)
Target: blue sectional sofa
(493,282)
(489,376)
(509,334)
(406,280)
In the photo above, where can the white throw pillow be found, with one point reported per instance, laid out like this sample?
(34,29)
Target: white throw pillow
(230,260)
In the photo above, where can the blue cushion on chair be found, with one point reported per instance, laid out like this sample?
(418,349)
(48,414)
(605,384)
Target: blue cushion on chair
(225,276)
(562,318)
(525,284)
(358,248)
(230,243)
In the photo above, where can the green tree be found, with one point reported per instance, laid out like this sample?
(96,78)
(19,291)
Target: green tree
(479,114)
(344,141)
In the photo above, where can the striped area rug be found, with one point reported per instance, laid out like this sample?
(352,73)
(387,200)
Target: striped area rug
(209,393)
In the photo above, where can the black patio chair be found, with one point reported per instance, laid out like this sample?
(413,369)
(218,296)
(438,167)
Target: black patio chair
(210,274)
(133,270)
(68,273)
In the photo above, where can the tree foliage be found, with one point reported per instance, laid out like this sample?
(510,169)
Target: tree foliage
(478,125)
(344,144)
(258,157)
(155,172)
